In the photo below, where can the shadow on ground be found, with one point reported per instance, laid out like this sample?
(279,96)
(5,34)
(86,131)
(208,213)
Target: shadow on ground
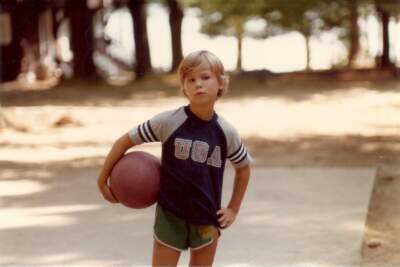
(291,87)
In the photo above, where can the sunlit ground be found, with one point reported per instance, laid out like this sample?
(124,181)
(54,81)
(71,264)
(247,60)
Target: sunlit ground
(50,216)
(355,111)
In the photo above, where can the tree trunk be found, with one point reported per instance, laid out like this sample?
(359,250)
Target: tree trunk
(239,58)
(143,61)
(28,21)
(308,53)
(239,38)
(10,47)
(82,39)
(175,22)
(354,33)
(384,17)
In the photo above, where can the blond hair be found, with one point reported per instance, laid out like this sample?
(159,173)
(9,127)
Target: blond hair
(195,59)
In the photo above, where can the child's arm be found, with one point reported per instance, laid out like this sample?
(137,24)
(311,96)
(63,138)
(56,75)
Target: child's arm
(228,214)
(117,151)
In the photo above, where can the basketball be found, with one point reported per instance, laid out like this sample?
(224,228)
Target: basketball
(135,179)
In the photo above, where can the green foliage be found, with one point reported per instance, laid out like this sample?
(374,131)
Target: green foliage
(391,6)
(307,16)
(226,17)
(310,17)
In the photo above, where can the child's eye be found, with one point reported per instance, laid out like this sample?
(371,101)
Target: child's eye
(206,77)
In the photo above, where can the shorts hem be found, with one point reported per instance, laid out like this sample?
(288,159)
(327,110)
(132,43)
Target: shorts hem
(165,244)
(203,245)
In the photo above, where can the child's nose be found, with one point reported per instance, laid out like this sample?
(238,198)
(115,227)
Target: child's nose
(198,83)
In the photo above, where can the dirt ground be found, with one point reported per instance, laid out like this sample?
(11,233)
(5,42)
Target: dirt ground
(362,132)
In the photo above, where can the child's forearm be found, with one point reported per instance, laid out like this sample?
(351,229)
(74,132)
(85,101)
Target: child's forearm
(117,151)
(242,177)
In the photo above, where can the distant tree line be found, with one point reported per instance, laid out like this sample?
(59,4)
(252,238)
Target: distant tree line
(28,28)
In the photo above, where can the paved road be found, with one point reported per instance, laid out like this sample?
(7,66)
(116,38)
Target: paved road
(291,217)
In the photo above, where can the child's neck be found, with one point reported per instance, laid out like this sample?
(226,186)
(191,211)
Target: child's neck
(204,112)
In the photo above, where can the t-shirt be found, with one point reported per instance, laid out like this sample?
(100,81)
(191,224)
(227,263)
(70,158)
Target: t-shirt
(193,159)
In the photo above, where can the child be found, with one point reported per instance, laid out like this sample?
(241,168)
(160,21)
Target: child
(195,145)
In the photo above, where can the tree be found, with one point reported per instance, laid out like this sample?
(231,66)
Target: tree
(10,48)
(342,16)
(347,21)
(228,18)
(143,60)
(354,32)
(82,39)
(384,16)
(314,17)
(175,8)
(175,22)
(302,16)
(386,9)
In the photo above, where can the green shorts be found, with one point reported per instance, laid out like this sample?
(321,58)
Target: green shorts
(175,233)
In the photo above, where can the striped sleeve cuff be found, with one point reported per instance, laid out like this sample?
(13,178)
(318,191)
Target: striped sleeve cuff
(143,134)
(238,156)
(146,133)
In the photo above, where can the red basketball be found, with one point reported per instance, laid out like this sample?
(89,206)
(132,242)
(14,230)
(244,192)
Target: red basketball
(135,179)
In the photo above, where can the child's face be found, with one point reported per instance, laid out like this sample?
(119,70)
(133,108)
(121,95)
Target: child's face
(201,85)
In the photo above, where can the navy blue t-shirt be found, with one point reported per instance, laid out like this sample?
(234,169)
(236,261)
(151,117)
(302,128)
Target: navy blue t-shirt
(193,159)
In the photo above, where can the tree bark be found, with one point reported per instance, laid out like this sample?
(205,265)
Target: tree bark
(239,38)
(175,22)
(10,48)
(82,39)
(239,58)
(142,51)
(354,33)
(384,17)
(308,53)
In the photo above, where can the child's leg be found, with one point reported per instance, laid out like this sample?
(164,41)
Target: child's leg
(164,256)
(204,256)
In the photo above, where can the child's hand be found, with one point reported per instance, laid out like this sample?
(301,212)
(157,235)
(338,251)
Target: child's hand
(107,194)
(226,217)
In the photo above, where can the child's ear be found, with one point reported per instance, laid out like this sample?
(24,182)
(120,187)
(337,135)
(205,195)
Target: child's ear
(223,80)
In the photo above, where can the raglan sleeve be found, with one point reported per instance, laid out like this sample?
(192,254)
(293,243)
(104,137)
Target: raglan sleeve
(152,130)
(236,150)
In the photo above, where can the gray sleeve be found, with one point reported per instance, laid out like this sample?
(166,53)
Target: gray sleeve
(158,128)
(236,151)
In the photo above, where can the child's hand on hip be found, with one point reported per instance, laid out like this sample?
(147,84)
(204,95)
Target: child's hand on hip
(226,217)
